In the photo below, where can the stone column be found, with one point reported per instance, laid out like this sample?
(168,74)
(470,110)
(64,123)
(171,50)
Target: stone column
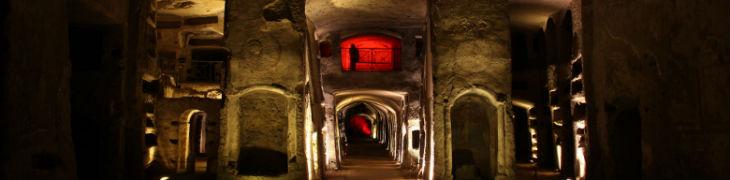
(470,56)
(264,89)
(36,118)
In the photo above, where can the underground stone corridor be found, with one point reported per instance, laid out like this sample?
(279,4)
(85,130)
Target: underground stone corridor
(369,160)
(364,89)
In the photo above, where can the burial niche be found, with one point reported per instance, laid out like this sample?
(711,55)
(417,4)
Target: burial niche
(473,141)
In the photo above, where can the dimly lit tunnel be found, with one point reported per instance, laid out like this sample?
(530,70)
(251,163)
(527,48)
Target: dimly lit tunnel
(365,89)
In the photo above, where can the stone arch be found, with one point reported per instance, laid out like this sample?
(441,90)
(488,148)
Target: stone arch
(390,113)
(191,139)
(259,133)
(389,104)
(485,128)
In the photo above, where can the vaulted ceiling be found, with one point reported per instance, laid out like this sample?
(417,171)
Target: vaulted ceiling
(335,15)
(534,13)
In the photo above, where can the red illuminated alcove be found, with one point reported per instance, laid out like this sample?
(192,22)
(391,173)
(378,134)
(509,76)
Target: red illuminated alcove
(375,53)
(360,124)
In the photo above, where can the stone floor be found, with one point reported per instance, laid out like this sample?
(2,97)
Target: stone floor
(528,171)
(368,161)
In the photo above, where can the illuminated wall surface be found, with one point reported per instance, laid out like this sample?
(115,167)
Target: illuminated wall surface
(360,125)
(376,53)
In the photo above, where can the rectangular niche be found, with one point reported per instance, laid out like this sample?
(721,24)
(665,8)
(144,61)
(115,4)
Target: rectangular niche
(415,139)
(577,67)
(576,87)
(371,52)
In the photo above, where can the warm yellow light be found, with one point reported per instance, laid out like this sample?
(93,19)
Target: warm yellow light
(581,163)
(431,149)
(579,99)
(577,57)
(580,124)
(579,150)
(560,156)
(315,157)
(150,155)
(375,132)
(308,139)
(150,130)
(164,178)
(558,122)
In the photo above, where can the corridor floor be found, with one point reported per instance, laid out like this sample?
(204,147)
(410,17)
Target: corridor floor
(368,161)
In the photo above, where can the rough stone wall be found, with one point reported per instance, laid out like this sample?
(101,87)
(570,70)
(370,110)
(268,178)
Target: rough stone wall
(316,94)
(169,119)
(96,89)
(184,69)
(179,32)
(36,124)
(470,51)
(39,79)
(665,64)
(264,123)
(105,11)
(4,54)
(267,45)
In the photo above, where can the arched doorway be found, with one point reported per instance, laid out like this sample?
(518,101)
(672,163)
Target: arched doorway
(473,121)
(193,155)
(196,138)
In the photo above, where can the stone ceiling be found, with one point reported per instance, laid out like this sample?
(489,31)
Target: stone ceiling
(534,13)
(335,15)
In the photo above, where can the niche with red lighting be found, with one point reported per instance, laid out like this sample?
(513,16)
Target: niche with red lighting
(360,125)
(371,52)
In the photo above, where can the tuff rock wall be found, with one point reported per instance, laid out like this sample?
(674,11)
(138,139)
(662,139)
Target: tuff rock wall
(470,56)
(657,71)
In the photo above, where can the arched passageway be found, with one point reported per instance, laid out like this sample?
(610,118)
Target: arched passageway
(369,139)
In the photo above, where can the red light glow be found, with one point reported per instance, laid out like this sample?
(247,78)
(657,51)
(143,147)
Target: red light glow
(376,53)
(361,125)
